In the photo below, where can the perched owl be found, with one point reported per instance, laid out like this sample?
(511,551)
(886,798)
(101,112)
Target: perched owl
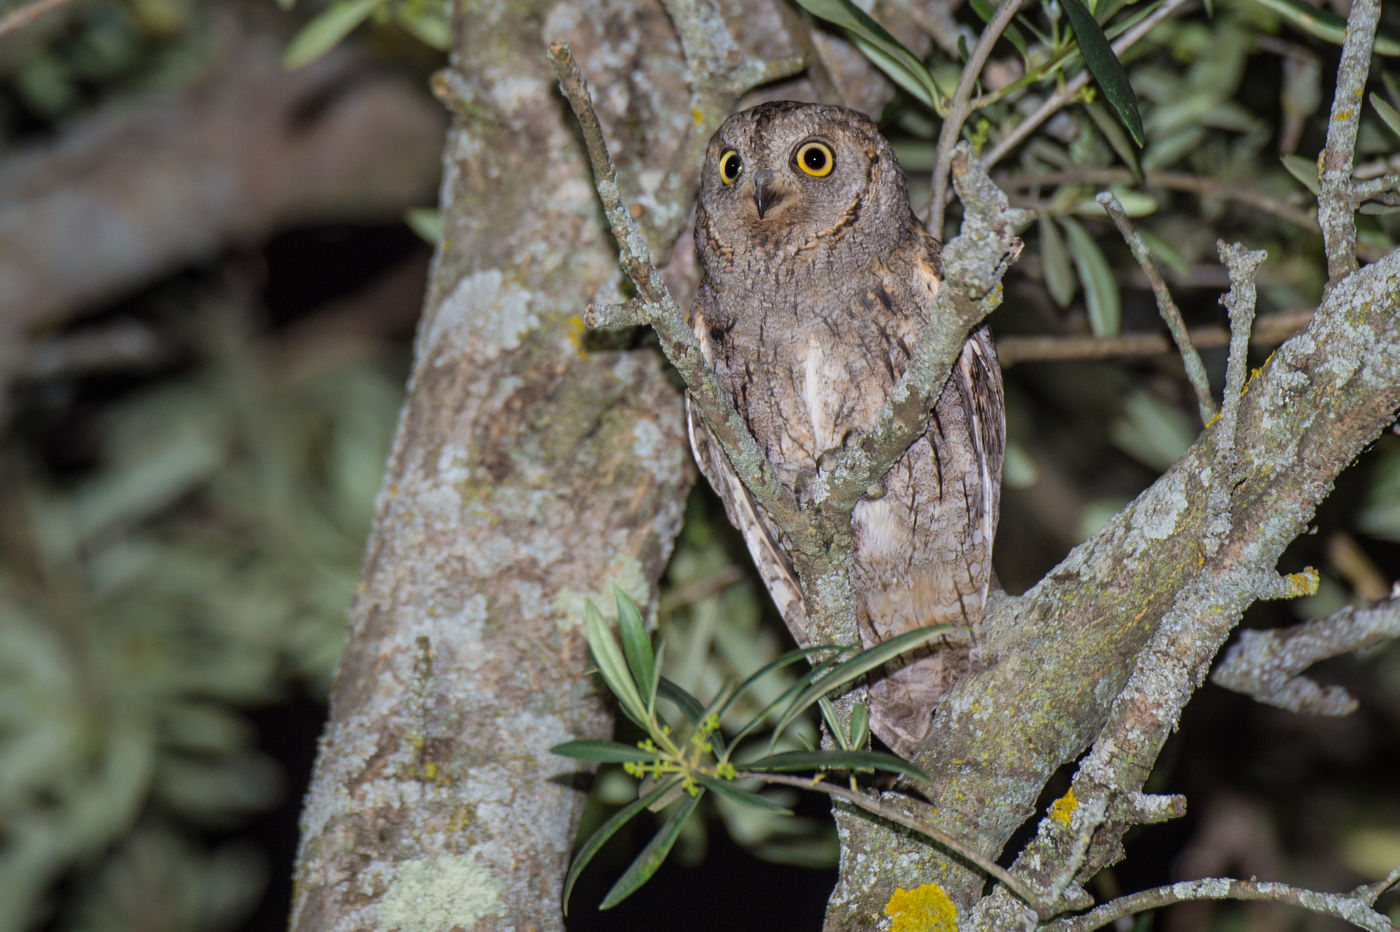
(817,279)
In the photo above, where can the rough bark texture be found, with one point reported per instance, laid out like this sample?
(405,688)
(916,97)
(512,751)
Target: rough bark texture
(529,474)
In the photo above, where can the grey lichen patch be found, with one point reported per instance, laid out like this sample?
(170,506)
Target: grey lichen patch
(439,894)
(625,572)
(483,316)
(1156,517)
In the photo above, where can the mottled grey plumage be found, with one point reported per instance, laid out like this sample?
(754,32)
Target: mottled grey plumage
(816,285)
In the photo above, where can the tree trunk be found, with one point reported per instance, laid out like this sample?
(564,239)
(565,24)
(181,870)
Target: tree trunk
(527,476)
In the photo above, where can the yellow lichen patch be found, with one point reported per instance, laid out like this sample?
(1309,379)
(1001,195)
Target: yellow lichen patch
(922,909)
(1062,809)
(1301,584)
(575,329)
(697,116)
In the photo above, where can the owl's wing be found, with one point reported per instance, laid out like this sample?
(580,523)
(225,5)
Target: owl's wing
(773,565)
(981,374)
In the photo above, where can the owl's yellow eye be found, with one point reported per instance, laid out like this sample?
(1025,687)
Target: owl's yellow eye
(815,159)
(730,165)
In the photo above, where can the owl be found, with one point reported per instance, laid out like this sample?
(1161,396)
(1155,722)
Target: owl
(817,280)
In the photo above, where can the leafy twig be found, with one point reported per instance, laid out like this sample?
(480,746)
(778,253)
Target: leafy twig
(1063,95)
(1195,370)
(958,110)
(1267,664)
(1336,202)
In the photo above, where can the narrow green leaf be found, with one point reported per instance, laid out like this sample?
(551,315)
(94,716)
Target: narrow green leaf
(1055,261)
(428,23)
(787,697)
(849,671)
(1325,24)
(1100,287)
(789,761)
(607,830)
(883,50)
(604,752)
(651,857)
(690,706)
(1392,87)
(1112,133)
(1387,113)
(635,643)
(860,726)
(791,657)
(426,223)
(1165,252)
(1305,170)
(608,656)
(1105,67)
(325,31)
(726,789)
(833,724)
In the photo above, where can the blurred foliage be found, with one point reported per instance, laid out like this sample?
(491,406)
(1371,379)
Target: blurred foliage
(425,20)
(199,568)
(87,53)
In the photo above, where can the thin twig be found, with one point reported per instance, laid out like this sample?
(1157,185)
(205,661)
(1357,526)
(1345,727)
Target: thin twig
(958,110)
(1338,905)
(1271,329)
(1063,95)
(657,308)
(1195,370)
(1375,187)
(1178,181)
(875,807)
(1336,202)
(1240,301)
(25,14)
(1266,664)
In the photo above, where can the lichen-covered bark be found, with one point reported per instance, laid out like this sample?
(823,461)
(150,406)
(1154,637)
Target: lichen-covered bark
(1063,651)
(529,473)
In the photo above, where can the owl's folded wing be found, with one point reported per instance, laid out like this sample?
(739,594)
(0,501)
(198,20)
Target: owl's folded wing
(979,368)
(773,565)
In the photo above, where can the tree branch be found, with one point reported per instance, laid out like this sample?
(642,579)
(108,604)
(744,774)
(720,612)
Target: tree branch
(1267,664)
(1336,202)
(958,110)
(1309,411)
(1271,329)
(1338,905)
(1195,370)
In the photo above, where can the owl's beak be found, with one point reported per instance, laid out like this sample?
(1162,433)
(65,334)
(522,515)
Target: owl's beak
(765,193)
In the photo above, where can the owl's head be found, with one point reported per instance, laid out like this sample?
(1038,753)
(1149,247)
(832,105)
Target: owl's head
(787,176)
